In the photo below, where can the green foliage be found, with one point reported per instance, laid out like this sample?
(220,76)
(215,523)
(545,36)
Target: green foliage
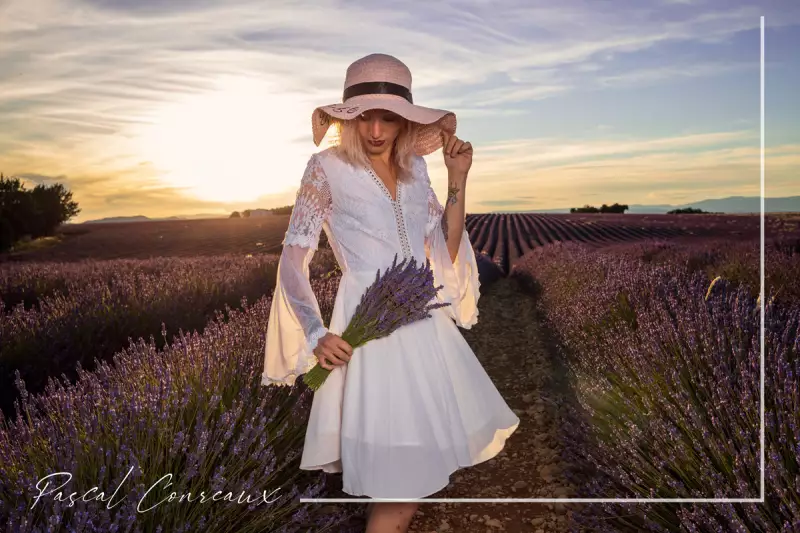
(605,208)
(621,312)
(687,210)
(285,210)
(32,213)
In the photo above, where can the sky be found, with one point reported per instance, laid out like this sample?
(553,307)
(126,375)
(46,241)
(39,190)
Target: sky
(161,108)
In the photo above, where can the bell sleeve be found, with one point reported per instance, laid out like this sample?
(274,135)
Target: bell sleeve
(295,323)
(460,278)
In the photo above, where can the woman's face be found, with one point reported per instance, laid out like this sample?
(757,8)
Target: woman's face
(378,129)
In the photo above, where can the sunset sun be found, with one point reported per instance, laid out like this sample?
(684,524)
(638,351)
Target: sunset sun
(227,145)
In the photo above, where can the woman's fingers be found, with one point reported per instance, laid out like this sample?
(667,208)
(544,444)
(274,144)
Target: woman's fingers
(323,356)
(336,352)
(323,362)
(333,358)
(452,145)
(447,142)
(346,347)
(337,356)
(342,354)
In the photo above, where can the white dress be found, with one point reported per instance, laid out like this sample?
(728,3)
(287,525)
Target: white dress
(409,409)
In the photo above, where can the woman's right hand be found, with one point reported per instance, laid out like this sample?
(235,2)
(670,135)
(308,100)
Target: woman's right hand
(332,350)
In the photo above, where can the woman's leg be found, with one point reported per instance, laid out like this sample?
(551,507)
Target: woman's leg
(391,517)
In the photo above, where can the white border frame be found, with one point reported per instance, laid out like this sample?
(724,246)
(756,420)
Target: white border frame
(628,500)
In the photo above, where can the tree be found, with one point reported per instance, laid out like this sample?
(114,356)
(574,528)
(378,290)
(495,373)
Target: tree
(16,211)
(605,208)
(34,213)
(54,206)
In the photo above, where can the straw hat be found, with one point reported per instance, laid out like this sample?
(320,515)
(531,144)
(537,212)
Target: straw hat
(381,81)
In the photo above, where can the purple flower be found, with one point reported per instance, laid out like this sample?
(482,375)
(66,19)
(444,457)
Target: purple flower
(399,297)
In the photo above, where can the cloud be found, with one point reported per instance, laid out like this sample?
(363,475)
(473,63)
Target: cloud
(516,154)
(507,95)
(501,203)
(671,176)
(39,179)
(671,72)
(83,79)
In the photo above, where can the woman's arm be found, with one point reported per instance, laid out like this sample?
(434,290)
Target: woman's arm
(458,160)
(449,250)
(295,323)
(454,216)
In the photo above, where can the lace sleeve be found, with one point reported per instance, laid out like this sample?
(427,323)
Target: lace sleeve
(460,278)
(435,212)
(311,208)
(295,322)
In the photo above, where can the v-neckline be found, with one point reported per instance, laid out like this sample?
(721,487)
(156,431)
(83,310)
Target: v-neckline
(383,186)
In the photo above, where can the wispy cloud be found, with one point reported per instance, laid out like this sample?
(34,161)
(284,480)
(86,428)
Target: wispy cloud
(509,156)
(673,72)
(633,176)
(114,96)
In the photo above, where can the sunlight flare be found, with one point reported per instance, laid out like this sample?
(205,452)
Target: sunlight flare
(233,144)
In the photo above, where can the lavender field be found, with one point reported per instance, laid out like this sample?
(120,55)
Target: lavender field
(663,345)
(55,315)
(153,366)
(194,406)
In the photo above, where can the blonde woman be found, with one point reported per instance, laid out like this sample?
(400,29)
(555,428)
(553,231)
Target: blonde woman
(397,416)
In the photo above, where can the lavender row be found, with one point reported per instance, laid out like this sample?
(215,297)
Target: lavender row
(99,307)
(195,409)
(27,283)
(666,368)
(736,261)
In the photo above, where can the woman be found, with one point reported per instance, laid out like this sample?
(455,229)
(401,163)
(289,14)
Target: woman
(400,414)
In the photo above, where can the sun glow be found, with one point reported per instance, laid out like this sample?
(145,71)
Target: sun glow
(232,144)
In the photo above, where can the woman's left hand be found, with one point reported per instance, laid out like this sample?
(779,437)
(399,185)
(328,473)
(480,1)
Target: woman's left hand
(457,154)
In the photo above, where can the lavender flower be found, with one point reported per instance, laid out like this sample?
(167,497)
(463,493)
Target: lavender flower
(662,341)
(399,297)
(54,315)
(194,408)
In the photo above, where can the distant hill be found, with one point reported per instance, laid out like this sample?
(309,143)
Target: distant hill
(142,218)
(731,204)
(749,204)
(139,218)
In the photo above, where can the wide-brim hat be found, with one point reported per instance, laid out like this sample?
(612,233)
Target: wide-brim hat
(381,81)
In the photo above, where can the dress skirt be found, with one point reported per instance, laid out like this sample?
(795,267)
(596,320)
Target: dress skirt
(407,410)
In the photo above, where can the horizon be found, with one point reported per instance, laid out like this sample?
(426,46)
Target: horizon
(556,210)
(656,103)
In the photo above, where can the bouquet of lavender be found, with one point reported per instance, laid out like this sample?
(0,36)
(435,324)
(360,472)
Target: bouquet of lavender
(397,298)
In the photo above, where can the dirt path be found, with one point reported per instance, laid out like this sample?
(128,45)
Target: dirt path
(513,350)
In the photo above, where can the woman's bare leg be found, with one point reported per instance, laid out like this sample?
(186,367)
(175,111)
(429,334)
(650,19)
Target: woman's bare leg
(391,517)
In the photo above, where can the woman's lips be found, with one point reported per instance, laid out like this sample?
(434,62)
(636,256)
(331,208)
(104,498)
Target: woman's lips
(376,143)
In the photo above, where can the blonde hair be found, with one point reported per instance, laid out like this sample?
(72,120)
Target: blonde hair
(349,146)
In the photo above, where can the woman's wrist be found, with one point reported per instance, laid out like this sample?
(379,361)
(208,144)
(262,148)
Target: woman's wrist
(456,184)
(456,178)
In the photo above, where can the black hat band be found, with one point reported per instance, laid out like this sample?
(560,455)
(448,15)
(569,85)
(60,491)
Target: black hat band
(377,87)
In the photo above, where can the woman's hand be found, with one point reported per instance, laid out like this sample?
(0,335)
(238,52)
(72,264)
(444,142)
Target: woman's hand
(332,350)
(457,155)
